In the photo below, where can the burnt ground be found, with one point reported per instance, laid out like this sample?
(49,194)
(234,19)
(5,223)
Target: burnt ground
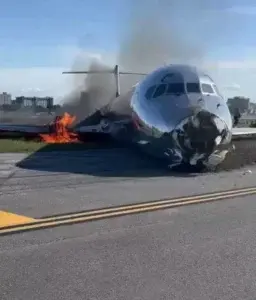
(243,155)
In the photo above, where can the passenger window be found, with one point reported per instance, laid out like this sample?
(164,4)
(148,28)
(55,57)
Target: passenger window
(149,92)
(160,90)
(193,87)
(176,88)
(207,88)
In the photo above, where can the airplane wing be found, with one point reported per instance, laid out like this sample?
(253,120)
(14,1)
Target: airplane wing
(15,130)
(23,128)
(100,127)
(243,132)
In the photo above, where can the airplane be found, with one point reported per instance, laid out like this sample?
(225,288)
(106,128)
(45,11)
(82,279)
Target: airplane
(175,113)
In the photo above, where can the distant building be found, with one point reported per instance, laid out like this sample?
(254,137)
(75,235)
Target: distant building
(46,102)
(5,99)
(240,103)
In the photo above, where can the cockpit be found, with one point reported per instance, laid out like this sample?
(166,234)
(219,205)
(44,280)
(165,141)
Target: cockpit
(161,89)
(164,89)
(180,88)
(169,95)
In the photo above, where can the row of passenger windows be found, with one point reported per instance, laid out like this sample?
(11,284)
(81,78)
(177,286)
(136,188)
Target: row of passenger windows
(178,88)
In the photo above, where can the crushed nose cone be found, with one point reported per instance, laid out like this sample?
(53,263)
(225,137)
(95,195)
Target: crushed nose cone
(195,158)
(198,136)
(216,158)
(210,132)
(174,157)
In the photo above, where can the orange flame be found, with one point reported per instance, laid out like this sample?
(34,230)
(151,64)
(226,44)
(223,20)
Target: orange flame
(61,133)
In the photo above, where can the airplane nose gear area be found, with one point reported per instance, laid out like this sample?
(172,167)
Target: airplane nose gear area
(202,138)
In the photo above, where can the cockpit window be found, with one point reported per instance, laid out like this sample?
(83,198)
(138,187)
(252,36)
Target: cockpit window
(164,89)
(150,91)
(207,88)
(193,87)
(175,88)
(160,90)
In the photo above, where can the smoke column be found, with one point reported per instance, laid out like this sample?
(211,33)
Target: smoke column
(151,36)
(92,92)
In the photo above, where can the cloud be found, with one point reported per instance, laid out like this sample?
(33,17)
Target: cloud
(242,10)
(33,90)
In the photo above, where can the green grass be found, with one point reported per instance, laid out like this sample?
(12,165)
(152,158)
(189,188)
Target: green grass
(19,146)
(26,146)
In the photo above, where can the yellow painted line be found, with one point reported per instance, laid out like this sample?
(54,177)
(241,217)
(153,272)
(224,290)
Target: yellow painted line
(10,219)
(98,214)
(147,204)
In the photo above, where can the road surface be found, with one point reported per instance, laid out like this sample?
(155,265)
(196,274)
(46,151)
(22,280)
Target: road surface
(202,251)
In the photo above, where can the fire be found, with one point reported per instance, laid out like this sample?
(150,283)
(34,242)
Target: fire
(60,133)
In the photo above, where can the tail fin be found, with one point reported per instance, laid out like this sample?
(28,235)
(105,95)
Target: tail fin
(115,71)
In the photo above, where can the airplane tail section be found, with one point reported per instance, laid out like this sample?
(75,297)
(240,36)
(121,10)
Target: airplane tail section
(116,72)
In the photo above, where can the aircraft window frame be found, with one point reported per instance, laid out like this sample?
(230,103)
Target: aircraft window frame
(204,84)
(216,90)
(166,77)
(173,84)
(150,92)
(206,79)
(160,90)
(194,83)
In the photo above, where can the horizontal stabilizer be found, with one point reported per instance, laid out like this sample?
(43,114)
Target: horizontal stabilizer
(115,71)
(103,72)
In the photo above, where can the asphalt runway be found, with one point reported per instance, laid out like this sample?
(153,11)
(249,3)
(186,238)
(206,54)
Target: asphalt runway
(202,251)
(196,252)
(52,183)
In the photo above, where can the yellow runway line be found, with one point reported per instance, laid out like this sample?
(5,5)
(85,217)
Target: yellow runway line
(15,223)
(10,219)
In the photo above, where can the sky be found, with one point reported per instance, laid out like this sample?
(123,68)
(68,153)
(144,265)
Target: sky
(40,39)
